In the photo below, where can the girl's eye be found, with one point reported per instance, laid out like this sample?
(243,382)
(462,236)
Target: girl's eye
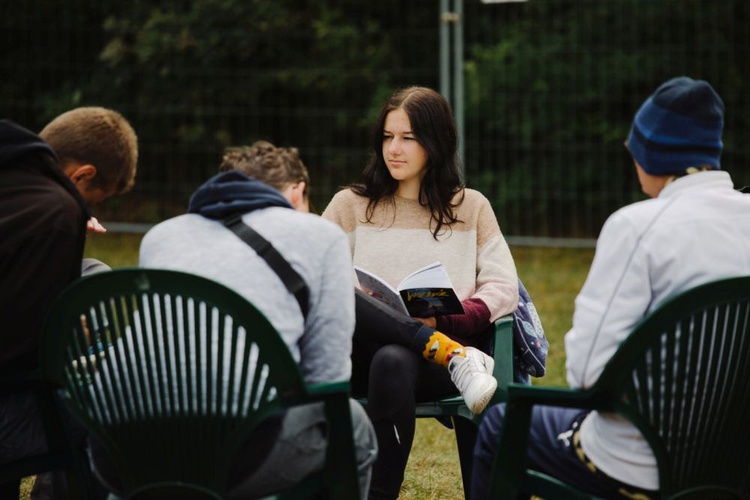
(387,137)
(408,138)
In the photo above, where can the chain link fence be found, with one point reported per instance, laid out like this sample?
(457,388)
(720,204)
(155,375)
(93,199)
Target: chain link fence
(549,89)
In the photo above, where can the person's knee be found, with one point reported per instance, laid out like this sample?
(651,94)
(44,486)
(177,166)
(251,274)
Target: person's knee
(491,426)
(393,377)
(390,361)
(360,421)
(365,440)
(488,438)
(93,266)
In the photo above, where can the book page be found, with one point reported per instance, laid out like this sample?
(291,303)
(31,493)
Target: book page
(432,276)
(379,289)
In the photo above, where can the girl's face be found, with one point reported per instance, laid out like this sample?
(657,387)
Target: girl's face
(404,156)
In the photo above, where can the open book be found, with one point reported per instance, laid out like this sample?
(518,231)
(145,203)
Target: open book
(425,292)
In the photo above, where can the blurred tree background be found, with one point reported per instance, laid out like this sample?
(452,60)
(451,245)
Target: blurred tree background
(550,88)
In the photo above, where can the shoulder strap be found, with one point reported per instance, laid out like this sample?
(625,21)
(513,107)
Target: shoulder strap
(291,278)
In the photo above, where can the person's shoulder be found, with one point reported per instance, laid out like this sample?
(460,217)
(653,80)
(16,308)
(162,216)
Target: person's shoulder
(176,221)
(312,223)
(308,236)
(473,196)
(634,215)
(347,196)
(40,215)
(35,192)
(180,223)
(640,207)
(343,204)
(471,201)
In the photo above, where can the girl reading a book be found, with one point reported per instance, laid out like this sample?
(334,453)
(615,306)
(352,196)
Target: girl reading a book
(412,209)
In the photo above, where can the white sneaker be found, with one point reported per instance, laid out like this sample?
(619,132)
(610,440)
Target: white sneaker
(484,359)
(473,378)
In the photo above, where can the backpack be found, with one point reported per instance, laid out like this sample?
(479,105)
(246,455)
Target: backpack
(530,345)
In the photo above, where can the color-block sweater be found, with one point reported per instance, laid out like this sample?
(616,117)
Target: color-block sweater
(398,240)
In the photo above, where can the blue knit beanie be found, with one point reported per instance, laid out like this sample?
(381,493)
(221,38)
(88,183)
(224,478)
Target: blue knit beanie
(678,127)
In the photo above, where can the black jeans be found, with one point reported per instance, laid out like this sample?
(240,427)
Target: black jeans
(388,368)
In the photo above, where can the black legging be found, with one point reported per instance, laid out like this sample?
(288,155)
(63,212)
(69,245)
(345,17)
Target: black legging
(388,368)
(10,490)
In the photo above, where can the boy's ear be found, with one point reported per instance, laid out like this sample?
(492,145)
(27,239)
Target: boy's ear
(78,173)
(297,196)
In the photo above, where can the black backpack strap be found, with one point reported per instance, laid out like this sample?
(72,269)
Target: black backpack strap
(291,278)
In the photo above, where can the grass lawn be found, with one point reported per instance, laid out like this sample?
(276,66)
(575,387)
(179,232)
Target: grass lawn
(552,276)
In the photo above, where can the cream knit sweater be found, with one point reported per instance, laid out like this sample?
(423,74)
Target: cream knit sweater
(398,240)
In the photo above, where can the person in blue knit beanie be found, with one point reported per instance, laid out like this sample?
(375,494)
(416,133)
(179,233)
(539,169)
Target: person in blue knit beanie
(677,130)
(694,229)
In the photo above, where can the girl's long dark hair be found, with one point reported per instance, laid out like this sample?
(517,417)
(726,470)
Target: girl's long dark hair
(433,127)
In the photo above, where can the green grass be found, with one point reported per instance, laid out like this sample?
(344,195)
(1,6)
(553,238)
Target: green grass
(114,249)
(553,277)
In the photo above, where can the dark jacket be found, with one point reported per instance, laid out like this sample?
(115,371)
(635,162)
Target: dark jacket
(42,235)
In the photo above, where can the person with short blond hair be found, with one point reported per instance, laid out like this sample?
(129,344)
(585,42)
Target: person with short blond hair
(47,183)
(97,148)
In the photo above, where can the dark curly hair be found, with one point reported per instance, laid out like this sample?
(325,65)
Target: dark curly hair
(276,166)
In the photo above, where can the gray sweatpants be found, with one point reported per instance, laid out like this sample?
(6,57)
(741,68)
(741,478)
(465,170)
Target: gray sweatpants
(300,449)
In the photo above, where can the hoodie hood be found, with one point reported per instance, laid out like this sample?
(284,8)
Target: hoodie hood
(231,193)
(23,149)
(16,141)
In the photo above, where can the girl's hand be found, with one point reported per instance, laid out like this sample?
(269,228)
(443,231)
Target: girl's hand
(431,321)
(93,226)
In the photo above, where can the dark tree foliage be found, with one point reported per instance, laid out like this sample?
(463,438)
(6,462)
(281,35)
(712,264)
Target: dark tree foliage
(200,76)
(551,87)
(554,85)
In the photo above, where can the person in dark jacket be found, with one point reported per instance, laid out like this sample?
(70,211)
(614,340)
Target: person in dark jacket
(47,183)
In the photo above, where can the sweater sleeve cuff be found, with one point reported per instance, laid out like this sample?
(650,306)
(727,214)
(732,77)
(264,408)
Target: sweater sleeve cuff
(475,320)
